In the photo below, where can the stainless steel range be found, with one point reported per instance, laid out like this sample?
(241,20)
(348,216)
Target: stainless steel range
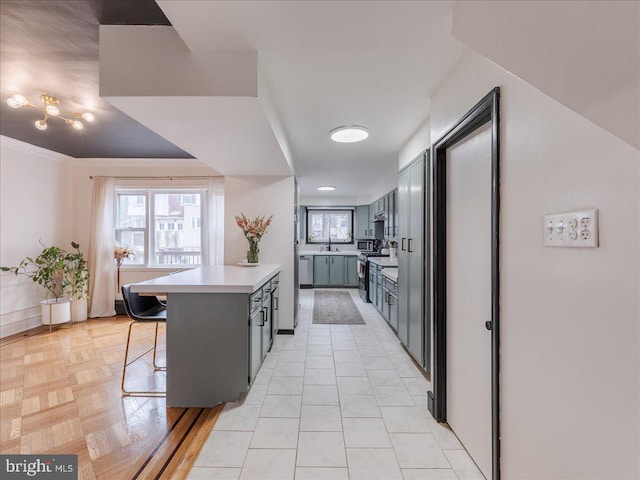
(363,273)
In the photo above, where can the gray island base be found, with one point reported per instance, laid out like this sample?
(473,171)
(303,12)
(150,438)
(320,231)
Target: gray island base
(220,324)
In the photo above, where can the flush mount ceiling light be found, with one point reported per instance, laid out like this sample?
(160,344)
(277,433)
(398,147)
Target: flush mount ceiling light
(326,189)
(350,134)
(50,109)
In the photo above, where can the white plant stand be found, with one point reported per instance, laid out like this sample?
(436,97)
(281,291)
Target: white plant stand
(56,311)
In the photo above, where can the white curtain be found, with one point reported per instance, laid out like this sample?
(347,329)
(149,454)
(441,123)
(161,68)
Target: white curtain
(216,220)
(102,267)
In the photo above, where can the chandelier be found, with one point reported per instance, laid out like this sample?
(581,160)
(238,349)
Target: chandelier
(50,109)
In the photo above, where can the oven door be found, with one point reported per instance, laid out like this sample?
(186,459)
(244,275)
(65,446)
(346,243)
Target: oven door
(362,268)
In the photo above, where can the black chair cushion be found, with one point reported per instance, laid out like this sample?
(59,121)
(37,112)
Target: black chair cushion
(143,308)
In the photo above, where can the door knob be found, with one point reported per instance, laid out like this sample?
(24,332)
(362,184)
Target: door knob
(488,325)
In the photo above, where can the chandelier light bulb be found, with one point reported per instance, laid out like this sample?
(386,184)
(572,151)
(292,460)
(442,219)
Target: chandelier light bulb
(52,110)
(20,99)
(77,125)
(41,124)
(13,103)
(88,117)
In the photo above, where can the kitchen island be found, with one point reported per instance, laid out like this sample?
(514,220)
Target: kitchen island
(219,328)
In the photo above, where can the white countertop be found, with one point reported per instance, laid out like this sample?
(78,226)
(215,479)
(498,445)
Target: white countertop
(310,253)
(391,273)
(384,261)
(210,279)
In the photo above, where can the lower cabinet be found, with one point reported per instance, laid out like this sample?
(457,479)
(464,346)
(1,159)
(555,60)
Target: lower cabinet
(351,271)
(335,271)
(263,318)
(390,299)
(373,283)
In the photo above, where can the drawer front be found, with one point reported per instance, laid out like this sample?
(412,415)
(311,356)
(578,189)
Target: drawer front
(275,281)
(255,301)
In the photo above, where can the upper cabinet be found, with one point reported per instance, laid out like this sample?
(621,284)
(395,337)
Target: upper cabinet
(364,226)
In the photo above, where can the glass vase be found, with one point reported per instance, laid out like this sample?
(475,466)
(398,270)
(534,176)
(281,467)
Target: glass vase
(252,254)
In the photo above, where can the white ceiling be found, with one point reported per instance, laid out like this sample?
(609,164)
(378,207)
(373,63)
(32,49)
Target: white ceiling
(329,64)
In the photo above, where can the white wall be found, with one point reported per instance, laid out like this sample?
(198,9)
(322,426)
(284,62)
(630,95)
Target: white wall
(35,203)
(570,329)
(263,196)
(417,143)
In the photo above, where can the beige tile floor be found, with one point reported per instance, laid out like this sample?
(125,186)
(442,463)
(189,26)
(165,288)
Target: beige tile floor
(334,402)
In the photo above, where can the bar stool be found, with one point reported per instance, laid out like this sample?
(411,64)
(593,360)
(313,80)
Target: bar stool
(142,309)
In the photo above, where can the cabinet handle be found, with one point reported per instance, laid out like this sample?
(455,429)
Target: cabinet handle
(409,245)
(276,301)
(262,315)
(402,244)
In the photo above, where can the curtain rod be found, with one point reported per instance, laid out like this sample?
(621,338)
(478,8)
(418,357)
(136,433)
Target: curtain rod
(171,177)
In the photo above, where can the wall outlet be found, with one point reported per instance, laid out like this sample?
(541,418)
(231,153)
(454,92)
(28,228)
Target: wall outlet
(573,229)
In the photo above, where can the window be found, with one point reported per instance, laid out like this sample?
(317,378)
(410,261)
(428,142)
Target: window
(191,199)
(152,223)
(325,225)
(195,222)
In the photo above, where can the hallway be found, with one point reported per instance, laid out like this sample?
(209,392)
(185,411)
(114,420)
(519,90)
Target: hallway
(334,402)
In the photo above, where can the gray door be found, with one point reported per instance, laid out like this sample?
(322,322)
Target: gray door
(321,270)
(337,271)
(415,248)
(404,184)
(266,327)
(468,302)
(255,347)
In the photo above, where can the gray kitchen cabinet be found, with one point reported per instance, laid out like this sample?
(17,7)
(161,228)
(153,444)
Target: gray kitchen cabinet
(336,271)
(395,214)
(392,302)
(385,299)
(351,271)
(379,295)
(373,282)
(364,228)
(412,330)
(275,306)
(255,341)
(390,309)
(373,209)
(267,318)
(390,228)
(321,270)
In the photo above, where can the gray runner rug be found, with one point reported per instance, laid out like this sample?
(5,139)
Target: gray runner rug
(336,308)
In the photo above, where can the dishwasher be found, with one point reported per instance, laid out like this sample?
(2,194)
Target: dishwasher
(306,271)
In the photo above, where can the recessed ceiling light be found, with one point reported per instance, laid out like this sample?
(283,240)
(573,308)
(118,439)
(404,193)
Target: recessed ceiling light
(326,189)
(350,134)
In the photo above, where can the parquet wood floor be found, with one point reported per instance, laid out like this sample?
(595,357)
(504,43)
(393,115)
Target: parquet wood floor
(60,393)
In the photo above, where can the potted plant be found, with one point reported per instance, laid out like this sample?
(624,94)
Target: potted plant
(77,273)
(64,277)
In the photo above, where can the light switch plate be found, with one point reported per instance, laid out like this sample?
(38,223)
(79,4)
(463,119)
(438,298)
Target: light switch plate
(573,229)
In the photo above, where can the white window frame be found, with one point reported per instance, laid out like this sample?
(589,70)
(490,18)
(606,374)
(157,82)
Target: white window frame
(328,211)
(150,230)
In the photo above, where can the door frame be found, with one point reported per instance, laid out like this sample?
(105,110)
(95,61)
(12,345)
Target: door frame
(485,111)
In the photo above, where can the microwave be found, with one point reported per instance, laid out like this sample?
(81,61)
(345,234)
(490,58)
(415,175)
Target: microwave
(365,245)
